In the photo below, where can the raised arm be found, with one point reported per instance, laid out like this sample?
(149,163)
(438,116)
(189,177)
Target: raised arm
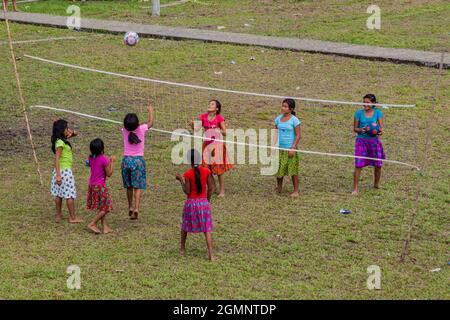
(110,166)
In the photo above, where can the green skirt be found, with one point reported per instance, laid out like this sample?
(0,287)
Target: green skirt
(287,166)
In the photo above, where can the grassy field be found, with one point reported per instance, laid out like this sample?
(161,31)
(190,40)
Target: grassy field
(270,246)
(418,24)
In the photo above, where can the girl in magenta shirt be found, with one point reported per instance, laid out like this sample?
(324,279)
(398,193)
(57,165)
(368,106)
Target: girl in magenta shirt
(98,198)
(133,168)
(215,155)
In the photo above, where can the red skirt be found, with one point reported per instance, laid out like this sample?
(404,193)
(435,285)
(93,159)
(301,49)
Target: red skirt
(99,199)
(215,157)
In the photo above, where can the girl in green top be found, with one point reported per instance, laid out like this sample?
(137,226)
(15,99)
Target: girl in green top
(63,182)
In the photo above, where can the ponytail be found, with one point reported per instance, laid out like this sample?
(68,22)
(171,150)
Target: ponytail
(131,123)
(194,158)
(198,181)
(133,138)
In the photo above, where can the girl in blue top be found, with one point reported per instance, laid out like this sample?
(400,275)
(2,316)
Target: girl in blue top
(288,127)
(368,145)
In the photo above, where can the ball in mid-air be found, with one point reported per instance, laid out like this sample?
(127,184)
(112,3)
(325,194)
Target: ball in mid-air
(373,129)
(131,38)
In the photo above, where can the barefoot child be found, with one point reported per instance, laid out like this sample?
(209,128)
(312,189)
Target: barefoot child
(288,126)
(63,181)
(215,155)
(367,145)
(197,184)
(133,164)
(98,198)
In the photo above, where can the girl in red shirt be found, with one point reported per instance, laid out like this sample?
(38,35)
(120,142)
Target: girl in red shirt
(197,184)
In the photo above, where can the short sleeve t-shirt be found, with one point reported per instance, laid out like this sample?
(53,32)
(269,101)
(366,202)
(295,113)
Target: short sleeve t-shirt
(98,170)
(213,124)
(286,131)
(190,176)
(134,150)
(211,127)
(66,159)
(364,121)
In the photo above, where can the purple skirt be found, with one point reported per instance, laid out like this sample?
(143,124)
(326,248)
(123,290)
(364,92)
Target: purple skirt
(197,216)
(371,148)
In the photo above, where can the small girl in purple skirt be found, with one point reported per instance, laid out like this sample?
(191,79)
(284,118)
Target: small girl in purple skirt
(367,145)
(197,183)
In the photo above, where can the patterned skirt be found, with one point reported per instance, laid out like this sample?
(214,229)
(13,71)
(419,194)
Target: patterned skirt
(67,189)
(197,216)
(98,198)
(215,157)
(371,148)
(287,166)
(134,172)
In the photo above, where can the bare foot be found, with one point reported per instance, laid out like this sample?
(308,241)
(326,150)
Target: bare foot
(107,230)
(94,228)
(183,252)
(76,220)
(130,211)
(295,194)
(376,187)
(58,217)
(135,215)
(213,258)
(221,195)
(355,192)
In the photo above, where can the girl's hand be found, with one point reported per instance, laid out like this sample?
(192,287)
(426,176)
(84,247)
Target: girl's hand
(150,108)
(179,177)
(58,180)
(291,154)
(112,158)
(380,133)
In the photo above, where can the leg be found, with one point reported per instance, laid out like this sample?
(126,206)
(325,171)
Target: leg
(106,228)
(295,183)
(209,244)
(71,207)
(15,5)
(356,175)
(377,177)
(221,185)
(58,204)
(137,200)
(130,200)
(279,184)
(93,225)
(183,242)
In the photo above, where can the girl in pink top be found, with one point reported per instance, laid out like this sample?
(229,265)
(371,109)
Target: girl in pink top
(215,155)
(133,168)
(98,195)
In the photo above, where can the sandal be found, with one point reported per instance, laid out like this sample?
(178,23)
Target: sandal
(130,212)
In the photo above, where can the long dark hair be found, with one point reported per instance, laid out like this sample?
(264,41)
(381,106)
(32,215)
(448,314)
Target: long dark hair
(131,123)
(97,147)
(371,97)
(194,157)
(59,126)
(218,105)
(291,105)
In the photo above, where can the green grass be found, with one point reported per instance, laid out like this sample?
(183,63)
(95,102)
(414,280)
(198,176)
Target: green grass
(270,247)
(415,24)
